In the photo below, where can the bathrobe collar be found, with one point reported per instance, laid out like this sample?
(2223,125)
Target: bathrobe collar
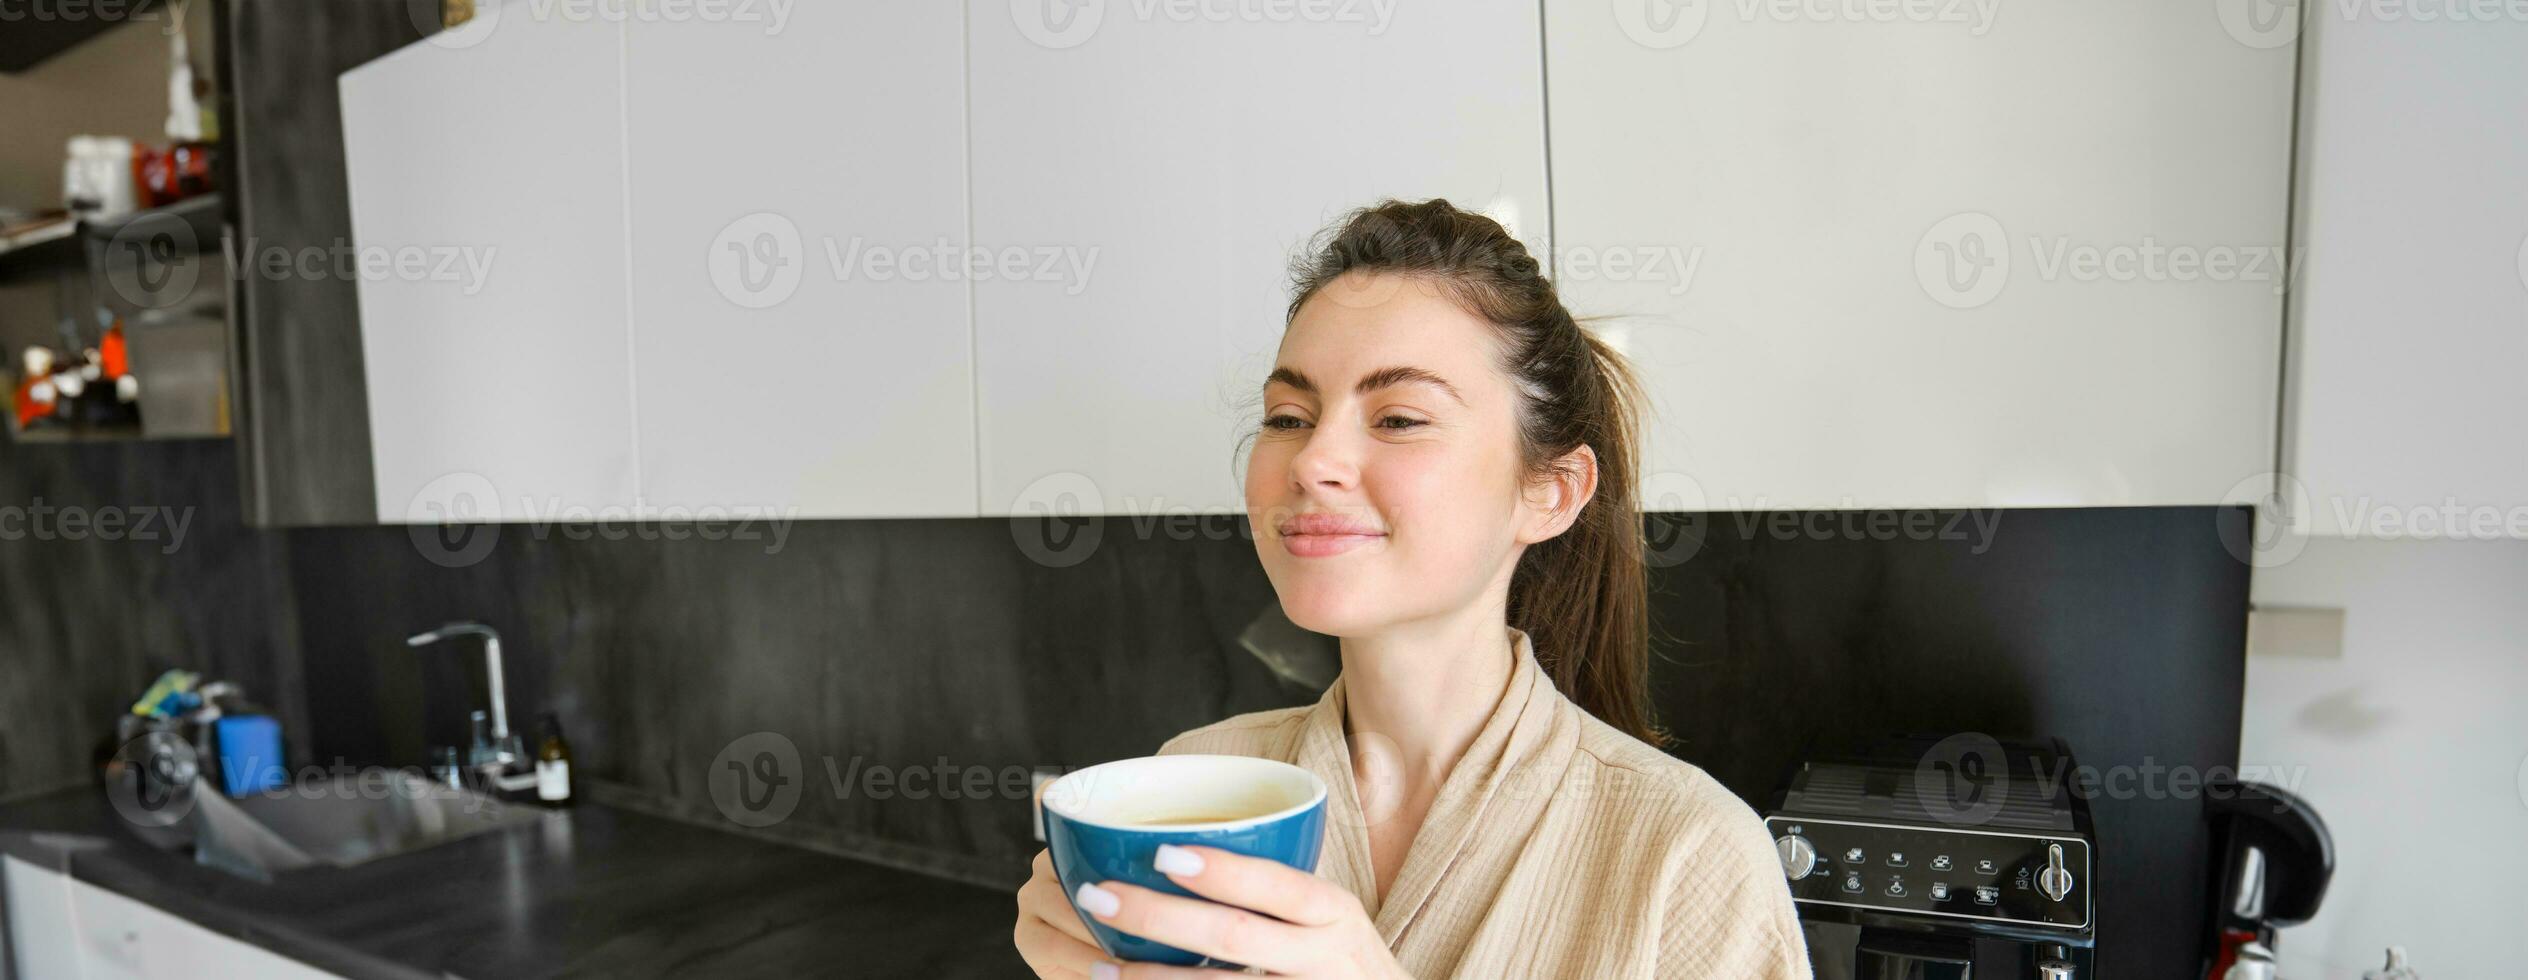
(1524,748)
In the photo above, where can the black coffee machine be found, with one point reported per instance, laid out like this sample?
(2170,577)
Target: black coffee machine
(1941,858)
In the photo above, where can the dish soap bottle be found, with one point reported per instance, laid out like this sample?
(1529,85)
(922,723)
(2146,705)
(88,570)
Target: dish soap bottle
(553,765)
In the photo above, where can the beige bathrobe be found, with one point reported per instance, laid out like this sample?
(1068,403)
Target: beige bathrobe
(1557,847)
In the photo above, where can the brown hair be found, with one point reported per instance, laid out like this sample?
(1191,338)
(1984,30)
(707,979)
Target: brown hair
(1581,596)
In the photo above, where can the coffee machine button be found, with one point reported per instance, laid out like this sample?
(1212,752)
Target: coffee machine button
(1799,857)
(1895,888)
(1987,895)
(1852,856)
(2056,880)
(1939,891)
(1852,883)
(1986,866)
(1895,859)
(1940,863)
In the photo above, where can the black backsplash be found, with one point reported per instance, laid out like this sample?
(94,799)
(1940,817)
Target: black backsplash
(921,668)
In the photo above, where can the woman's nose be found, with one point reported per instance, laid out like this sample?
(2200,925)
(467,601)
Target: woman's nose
(1326,462)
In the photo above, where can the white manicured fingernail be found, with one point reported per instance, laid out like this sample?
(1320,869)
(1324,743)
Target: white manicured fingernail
(1104,971)
(1177,861)
(1098,901)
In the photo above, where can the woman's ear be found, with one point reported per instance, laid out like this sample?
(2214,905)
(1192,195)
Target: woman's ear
(1554,503)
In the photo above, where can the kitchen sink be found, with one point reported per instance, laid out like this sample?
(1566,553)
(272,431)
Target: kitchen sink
(340,822)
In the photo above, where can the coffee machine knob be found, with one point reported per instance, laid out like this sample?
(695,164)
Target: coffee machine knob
(2054,970)
(2056,880)
(1799,857)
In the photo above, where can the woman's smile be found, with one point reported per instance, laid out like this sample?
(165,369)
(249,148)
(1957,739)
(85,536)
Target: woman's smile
(1325,535)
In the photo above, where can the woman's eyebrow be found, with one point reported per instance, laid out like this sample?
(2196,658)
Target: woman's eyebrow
(1374,380)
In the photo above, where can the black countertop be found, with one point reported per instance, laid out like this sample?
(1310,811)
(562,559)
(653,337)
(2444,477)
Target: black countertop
(593,891)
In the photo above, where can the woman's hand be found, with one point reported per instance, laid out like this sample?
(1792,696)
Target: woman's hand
(1269,915)
(1051,937)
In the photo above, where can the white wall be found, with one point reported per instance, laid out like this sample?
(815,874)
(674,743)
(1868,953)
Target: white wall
(2413,746)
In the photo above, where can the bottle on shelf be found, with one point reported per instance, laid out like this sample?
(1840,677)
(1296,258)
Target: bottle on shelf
(553,783)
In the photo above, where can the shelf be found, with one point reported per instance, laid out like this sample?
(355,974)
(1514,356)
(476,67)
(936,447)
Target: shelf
(69,253)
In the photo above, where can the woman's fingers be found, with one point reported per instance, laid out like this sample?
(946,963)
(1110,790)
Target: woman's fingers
(1261,884)
(1053,953)
(1199,926)
(1043,895)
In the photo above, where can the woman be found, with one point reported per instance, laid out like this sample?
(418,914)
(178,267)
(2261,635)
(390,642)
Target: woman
(1444,479)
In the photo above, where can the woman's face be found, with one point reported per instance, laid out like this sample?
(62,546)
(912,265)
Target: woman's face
(1384,486)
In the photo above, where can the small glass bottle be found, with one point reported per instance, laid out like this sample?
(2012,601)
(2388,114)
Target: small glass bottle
(553,784)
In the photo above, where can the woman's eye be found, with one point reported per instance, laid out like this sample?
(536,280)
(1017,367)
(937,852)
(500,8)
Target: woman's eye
(1399,422)
(1284,422)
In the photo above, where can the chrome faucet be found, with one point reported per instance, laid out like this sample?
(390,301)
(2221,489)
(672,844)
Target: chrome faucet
(507,750)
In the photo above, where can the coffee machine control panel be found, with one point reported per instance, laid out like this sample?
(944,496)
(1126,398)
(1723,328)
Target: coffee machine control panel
(1970,874)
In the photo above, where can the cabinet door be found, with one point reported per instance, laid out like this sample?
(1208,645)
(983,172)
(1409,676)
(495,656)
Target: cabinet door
(1147,172)
(801,341)
(42,939)
(486,180)
(2407,419)
(1972,260)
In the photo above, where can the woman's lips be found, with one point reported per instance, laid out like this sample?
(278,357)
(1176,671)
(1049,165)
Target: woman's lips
(1323,545)
(1322,535)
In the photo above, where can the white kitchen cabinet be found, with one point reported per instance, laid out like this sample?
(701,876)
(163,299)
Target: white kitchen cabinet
(41,930)
(2408,350)
(1148,171)
(800,339)
(487,179)
(1989,259)
(60,928)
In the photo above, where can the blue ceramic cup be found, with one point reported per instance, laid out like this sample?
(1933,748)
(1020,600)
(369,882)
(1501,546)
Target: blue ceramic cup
(1106,822)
